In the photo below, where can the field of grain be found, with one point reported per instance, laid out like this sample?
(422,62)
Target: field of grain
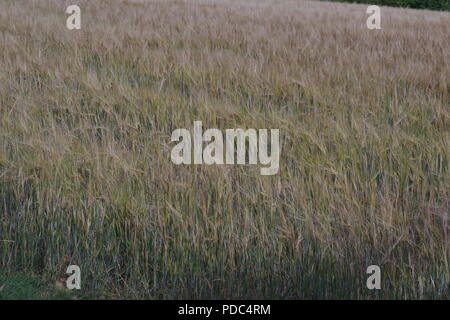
(86,118)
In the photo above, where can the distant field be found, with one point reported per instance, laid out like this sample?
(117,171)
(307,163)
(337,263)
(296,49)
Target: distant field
(86,119)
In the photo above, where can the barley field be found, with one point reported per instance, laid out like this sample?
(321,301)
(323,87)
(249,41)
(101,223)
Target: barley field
(86,178)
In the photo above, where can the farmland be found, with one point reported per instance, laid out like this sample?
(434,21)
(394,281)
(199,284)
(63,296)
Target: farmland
(86,178)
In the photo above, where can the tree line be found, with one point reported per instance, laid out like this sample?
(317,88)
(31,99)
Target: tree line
(416,4)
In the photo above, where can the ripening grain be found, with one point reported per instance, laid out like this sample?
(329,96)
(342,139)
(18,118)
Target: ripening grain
(85,171)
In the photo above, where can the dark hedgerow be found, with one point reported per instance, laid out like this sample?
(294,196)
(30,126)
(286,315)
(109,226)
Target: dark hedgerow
(416,4)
